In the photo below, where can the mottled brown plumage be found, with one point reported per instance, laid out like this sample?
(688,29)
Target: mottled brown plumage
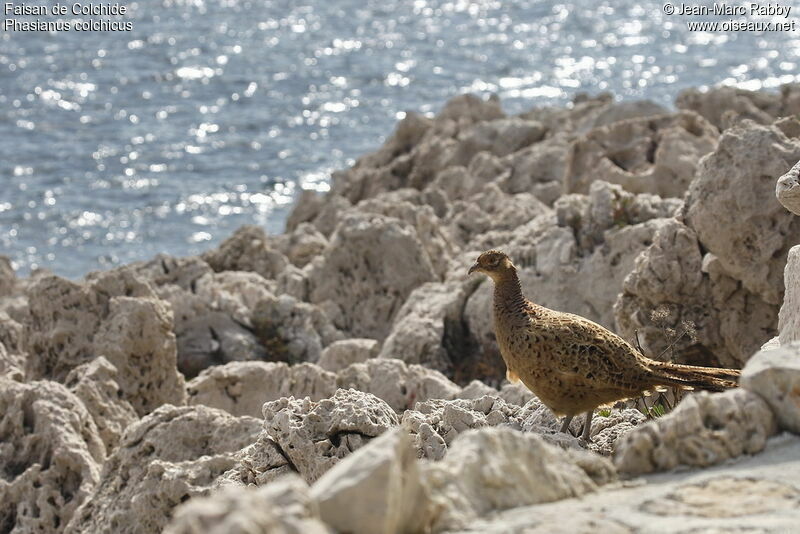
(572,364)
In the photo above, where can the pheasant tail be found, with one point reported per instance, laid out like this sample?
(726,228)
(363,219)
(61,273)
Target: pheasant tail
(708,378)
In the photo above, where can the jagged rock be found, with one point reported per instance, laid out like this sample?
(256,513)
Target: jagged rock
(96,384)
(704,429)
(282,507)
(620,111)
(787,189)
(371,265)
(400,385)
(341,354)
(248,249)
(404,204)
(644,155)
(8,278)
(168,270)
(171,455)
(12,366)
(242,388)
(475,390)
(732,207)
(235,293)
(302,244)
(428,329)
(516,394)
(775,376)
(435,423)
(257,464)
(789,315)
(292,331)
(495,469)
(608,429)
(761,107)
(382,481)
(672,279)
(136,337)
(314,436)
(493,210)
(113,314)
(50,456)
(538,169)
(500,137)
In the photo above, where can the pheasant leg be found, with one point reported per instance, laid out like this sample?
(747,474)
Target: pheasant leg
(587,427)
(565,426)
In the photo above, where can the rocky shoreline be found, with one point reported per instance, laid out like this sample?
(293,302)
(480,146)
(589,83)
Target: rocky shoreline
(343,376)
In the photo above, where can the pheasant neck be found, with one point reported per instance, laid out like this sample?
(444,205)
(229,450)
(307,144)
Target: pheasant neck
(508,291)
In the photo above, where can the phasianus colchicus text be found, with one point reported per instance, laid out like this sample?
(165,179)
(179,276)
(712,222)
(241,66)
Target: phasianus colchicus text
(572,364)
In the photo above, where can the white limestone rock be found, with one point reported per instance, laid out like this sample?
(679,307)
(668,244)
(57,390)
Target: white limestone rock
(342,353)
(428,329)
(165,270)
(787,190)
(50,456)
(291,330)
(248,249)
(8,278)
(789,315)
(96,384)
(242,388)
(398,384)
(732,207)
(284,506)
(314,436)
(673,278)
(704,429)
(656,154)
(371,265)
(235,293)
(774,375)
(761,107)
(169,456)
(435,423)
(382,481)
(114,314)
(495,469)
(136,337)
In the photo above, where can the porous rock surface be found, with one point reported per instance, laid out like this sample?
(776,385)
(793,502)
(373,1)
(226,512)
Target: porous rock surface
(314,436)
(341,354)
(704,429)
(50,456)
(167,457)
(774,375)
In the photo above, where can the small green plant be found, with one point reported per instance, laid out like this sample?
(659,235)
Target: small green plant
(605,412)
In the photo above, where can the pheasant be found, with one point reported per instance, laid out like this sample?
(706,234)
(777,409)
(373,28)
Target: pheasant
(572,364)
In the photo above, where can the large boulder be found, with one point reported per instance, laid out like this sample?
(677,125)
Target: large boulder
(171,455)
(371,265)
(704,429)
(731,205)
(774,375)
(495,469)
(50,456)
(341,354)
(382,481)
(114,314)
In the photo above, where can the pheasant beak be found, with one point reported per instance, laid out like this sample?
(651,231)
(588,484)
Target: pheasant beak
(472,269)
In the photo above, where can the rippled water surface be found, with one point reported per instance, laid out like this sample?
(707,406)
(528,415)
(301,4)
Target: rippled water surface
(209,115)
